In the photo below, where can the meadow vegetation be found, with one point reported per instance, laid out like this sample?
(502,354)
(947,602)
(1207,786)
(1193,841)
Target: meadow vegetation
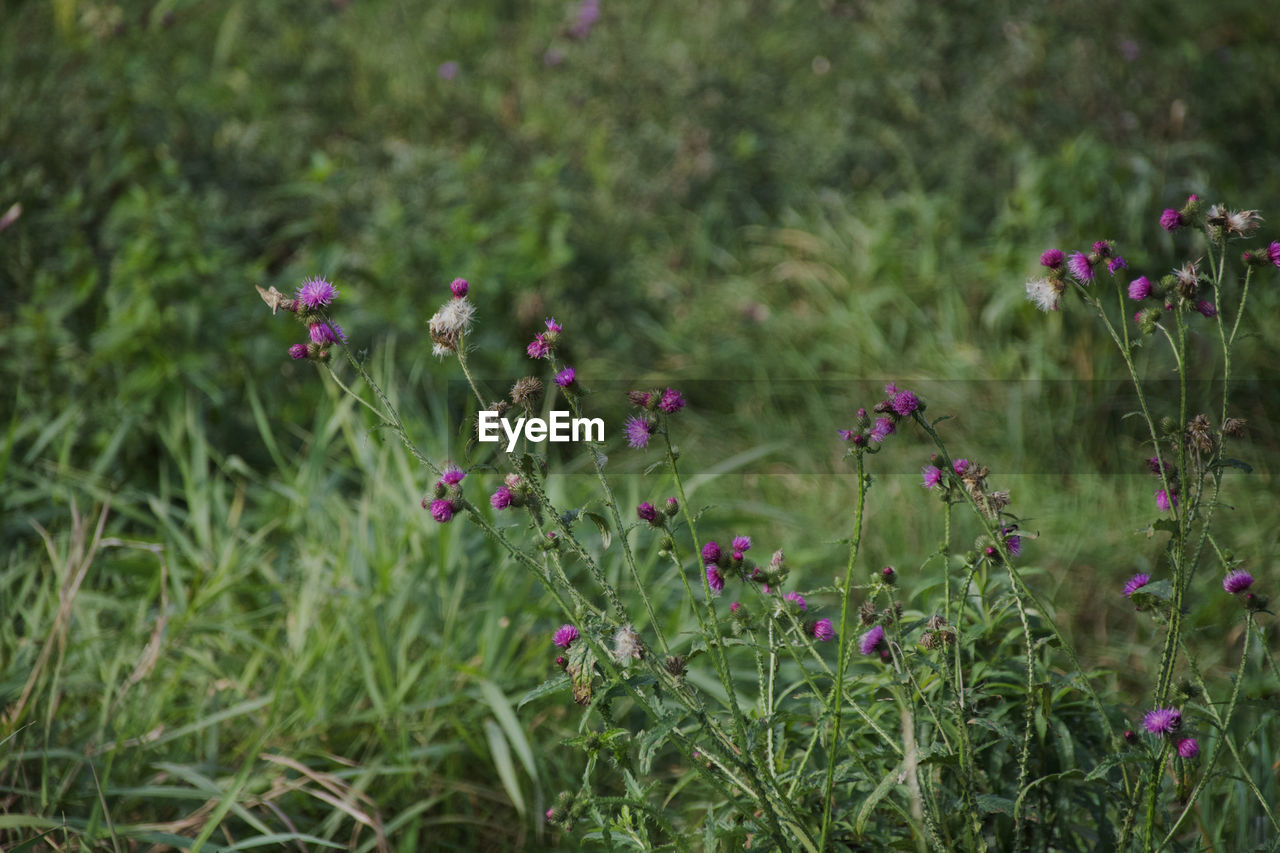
(229,621)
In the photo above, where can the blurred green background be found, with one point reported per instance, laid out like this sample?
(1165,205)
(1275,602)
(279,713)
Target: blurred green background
(798,200)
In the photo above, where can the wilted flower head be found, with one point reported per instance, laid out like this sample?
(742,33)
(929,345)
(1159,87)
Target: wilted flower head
(1241,222)
(1116,263)
(638,432)
(316,292)
(449,324)
(1044,293)
(1136,583)
(538,347)
(742,543)
(1162,721)
(626,645)
(1237,581)
(672,401)
(870,642)
(883,429)
(822,631)
(564,636)
(527,391)
(715,580)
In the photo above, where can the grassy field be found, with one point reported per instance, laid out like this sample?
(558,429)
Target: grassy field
(227,618)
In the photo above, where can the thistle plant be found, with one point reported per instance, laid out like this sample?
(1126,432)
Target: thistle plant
(748,705)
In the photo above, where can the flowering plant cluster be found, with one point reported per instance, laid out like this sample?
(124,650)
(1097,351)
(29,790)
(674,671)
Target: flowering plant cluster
(958,719)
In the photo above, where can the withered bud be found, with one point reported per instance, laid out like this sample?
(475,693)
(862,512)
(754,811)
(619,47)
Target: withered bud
(1234,427)
(527,391)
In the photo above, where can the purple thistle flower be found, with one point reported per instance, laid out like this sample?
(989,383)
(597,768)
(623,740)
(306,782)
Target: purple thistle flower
(324,333)
(711,552)
(742,543)
(501,499)
(891,389)
(564,636)
(447,70)
(1154,465)
(1188,747)
(1171,220)
(298,351)
(871,641)
(1116,263)
(822,631)
(1140,288)
(1136,583)
(1052,258)
(1237,581)
(1164,502)
(883,429)
(797,598)
(1273,254)
(459,287)
(1207,308)
(565,377)
(1162,721)
(960,466)
(1102,248)
(638,431)
(1080,267)
(715,580)
(316,292)
(552,326)
(538,347)
(1012,541)
(846,434)
(647,512)
(452,475)
(735,607)
(672,401)
(441,510)
(904,403)
(932,476)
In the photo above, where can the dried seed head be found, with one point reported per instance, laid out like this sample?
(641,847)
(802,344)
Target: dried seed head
(627,645)
(527,391)
(1200,433)
(1234,427)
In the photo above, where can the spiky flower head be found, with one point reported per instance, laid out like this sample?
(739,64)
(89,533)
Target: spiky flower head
(565,378)
(711,552)
(501,499)
(1237,581)
(1273,254)
(797,599)
(1162,721)
(672,401)
(452,475)
(823,632)
(647,512)
(638,431)
(316,293)
(564,636)
(1188,747)
(1116,263)
(1140,288)
(538,347)
(449,324)
(442,510)
(742,543)
(298,351)
(883,429)
(326,333)
(1052,258)
(715,580)
(527,391)
(1136,583)
(870,642)
(1080,267)
(904,403)
(932,475)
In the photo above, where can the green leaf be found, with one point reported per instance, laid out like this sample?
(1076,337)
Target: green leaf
(602,524)
(501,753)
(988,803)
(546,688)
(882,790)
(1237,463)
